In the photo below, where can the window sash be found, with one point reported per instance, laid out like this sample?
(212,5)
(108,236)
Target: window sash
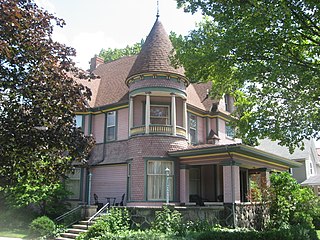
(157,179)
(159,114)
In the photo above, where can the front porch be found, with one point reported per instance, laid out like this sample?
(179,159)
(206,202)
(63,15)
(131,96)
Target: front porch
(212,174)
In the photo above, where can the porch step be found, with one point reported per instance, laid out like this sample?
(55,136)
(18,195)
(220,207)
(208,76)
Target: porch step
(69,235)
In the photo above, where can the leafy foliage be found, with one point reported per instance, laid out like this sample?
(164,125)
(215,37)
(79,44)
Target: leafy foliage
(168,221)
(38,97)
(291,204)
(42,227)
(116,53)
(264,53)
(116,221)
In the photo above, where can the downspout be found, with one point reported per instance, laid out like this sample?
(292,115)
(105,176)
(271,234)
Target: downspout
(89,187)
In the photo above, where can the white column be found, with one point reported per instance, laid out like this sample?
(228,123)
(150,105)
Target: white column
(173,114)
(231,184)
(130,115)
(185,116)
(147,121)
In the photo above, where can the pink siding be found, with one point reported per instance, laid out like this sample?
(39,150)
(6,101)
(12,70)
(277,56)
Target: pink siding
(123,124)
(138,104)
(86,124)
(109,181)
(179,106)
(201,129)
(213,125)
(98,122)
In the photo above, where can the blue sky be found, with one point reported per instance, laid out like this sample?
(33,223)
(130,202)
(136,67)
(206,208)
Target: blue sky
(95,24)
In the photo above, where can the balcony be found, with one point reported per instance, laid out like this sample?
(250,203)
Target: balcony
(158,129)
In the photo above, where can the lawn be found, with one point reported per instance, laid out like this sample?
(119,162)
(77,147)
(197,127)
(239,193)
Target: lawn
(14,233)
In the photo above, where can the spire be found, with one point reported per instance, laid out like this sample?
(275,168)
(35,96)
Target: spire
(157,10)
(155,54)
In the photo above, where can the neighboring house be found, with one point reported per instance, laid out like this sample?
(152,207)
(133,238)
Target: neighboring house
(309,172)
(147,117)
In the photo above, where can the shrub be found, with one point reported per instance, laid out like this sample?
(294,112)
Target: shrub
(168,221)
(42,227)
(116,221)
(291,204)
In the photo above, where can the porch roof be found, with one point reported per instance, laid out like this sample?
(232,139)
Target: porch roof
(237,153)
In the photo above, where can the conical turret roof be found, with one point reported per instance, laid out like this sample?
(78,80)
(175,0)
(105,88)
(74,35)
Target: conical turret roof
(155,53)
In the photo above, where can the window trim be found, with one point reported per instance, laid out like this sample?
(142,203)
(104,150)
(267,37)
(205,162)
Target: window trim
(172,175)
(196,129)
(107,127)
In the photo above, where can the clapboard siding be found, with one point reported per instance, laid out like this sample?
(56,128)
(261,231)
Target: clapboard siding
(109,181)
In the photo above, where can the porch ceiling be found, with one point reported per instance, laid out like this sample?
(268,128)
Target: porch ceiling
(238,154)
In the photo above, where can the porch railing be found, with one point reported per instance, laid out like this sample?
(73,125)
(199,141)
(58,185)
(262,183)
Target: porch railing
(157,129)
(70,217)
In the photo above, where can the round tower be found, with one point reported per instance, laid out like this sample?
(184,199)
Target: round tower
(157,119)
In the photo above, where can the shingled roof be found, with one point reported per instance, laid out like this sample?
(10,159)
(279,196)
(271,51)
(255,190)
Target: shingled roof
(155,53)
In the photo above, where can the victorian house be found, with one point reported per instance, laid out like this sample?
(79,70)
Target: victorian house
(149,121)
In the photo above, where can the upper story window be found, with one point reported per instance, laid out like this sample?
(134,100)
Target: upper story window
(193,128)
(111,126)
(230,131)
(159,114)
(228,103)
(79,121)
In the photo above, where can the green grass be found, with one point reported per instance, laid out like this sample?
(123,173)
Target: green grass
(14,233)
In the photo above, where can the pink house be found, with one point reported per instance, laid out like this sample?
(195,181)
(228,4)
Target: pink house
(147,117)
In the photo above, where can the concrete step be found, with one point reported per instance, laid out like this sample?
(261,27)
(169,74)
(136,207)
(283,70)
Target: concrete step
(76,230)
(80,226)
(69,235)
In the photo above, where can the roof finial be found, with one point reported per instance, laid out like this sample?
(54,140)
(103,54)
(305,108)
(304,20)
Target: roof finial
(158,9)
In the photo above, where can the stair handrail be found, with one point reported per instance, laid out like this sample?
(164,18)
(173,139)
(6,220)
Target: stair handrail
(57,219)
(97,213)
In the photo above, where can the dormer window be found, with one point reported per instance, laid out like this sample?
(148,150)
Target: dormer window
(159,114)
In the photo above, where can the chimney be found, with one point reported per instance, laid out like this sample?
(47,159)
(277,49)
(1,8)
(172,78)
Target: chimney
(95,62)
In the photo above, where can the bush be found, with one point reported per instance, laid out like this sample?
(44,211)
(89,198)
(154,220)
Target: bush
(168,221)
(116,221)
(42,227)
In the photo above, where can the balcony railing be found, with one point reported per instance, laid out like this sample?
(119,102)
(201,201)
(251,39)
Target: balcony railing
(157,129)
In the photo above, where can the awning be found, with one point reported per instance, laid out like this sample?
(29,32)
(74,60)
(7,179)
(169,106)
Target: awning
(312,181)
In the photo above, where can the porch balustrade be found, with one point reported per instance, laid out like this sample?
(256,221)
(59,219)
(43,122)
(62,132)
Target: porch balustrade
(157,129)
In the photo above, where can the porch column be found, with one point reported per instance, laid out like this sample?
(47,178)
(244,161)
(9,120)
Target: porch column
(184,184)
(231,184)
(130,115)
(173,114)
(147,117)
(185,119)
(265,179)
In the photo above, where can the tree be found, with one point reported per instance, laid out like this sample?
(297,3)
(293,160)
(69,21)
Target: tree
(264,53)
(116,53)
(38,100)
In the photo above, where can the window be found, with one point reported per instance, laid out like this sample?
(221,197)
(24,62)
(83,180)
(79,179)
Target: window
(157,179)
(73,184)
(230,131)
(111,126)
(159,114)
(311,168)
(193,128)
(79,121)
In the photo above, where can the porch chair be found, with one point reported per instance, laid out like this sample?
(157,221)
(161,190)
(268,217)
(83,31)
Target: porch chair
(96,201)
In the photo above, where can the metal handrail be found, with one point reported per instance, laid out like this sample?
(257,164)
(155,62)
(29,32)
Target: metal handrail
(97,213)
(58,219)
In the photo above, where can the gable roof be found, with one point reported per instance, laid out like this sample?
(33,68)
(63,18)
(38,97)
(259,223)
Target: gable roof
(155,52)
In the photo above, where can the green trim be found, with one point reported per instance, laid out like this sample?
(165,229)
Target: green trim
(129,172)
(115,127)
(83,124)
(170,159)
(105,108)
(157,89)
(237,148)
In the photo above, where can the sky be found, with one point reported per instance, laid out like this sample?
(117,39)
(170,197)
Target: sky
(95,24)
